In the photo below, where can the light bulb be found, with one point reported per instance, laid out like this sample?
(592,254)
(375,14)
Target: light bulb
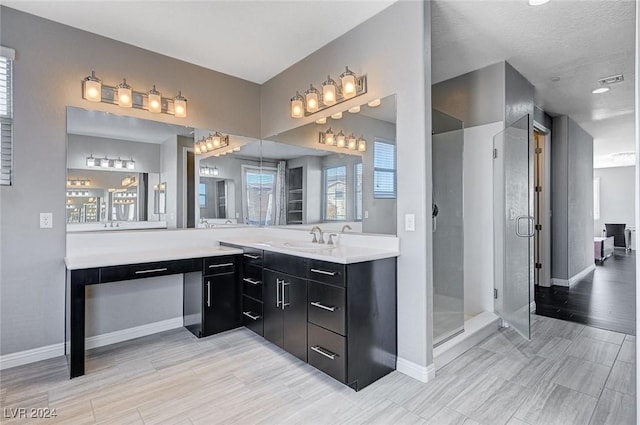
(92,88)
(91,161)
(131,164)
(125,98)
(117,163)
(155,100)
(348,81)
(209,143)
(196,149)
(362,144)
(329,138)
(329,94)
(297,107)
(104,162)
(351,141)
(216,141)
(311,97)
(340,140)
(180,106)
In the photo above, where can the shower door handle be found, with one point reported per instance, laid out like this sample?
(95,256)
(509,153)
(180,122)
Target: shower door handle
(530,226)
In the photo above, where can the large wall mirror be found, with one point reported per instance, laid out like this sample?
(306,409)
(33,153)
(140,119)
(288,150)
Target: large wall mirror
(122,172)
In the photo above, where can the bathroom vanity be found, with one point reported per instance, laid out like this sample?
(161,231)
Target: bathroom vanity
(333,307)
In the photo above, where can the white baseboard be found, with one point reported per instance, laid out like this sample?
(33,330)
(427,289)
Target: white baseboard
(573,279)
(54,350)
(415,371)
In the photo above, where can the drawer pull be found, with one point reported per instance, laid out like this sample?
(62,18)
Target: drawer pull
(251,316)
(251,281)
(322,351)
(328,273)
(220,265)
(322,306)
(253,257)
(163,269)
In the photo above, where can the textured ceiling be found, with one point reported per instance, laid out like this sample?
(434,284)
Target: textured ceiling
(579,41)
(253,40)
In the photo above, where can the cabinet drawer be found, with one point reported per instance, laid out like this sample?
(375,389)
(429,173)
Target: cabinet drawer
(252,256)
(252,315)
(219,265)
(139,271)
(252,281)
(289,264)
(327,306)
(323,271)
(327,352)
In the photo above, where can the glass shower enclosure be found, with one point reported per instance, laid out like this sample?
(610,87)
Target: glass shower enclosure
(448,226)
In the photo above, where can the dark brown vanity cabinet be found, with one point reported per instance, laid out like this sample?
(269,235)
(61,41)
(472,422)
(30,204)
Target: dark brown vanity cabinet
(285,312)
(212,298)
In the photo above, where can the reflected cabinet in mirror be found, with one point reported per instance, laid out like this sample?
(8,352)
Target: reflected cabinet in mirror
(123,172)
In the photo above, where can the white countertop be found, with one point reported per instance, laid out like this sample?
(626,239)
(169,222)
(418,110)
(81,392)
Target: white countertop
(74,262)
(341,254)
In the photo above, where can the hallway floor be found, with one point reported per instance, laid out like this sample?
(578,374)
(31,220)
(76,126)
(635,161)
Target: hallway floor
(568,374)
(604,299)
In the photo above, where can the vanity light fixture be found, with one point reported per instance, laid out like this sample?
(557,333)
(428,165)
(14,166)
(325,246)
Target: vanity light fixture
(77,193)
(342,141)
(332,93)
(211,143)
(91,161)
(92,88)
(374,103)
(124,96)
(106,162)
(78,182)
(321,120)
(337,116)
(155,100)
(208,171)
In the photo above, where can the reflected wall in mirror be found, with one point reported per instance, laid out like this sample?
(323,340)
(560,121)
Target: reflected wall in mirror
(114,166)
(319,179)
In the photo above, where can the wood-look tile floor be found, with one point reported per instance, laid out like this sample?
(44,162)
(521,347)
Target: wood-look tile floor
(568,374)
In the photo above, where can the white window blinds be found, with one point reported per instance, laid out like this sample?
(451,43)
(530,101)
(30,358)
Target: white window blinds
(384,173)
(6,115)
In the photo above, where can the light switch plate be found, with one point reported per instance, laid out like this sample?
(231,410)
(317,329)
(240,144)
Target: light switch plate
(366,214)
(410,222)
(46,220)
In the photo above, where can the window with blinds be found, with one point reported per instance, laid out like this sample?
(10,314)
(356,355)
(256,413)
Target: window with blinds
(6,116)
(358,191)
(384,172)
(335,197)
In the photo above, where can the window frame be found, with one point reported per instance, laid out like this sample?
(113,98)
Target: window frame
(325,197)
(394,170)
(6,122)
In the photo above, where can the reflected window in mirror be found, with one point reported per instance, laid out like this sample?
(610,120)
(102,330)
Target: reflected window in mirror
(203,195)
(358,191)
(259,188)
(335,194)
(384,174)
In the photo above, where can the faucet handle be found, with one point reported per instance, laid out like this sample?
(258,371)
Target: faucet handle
(315,240)
(331,238)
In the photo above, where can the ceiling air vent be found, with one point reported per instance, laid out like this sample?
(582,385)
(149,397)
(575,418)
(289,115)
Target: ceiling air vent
(612,80)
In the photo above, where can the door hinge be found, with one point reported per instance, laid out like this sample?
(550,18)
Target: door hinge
(538,188)
(495,293)
(538,265)
(495,153)
(538,226)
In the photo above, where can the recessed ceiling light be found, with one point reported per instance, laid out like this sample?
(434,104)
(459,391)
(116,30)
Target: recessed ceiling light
(600,90)
(537,2)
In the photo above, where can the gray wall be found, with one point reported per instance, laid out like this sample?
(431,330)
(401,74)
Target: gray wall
(146,155)
(542,117)
(476,98)
(617,188)
(396,62)
(51,61)
(571,199)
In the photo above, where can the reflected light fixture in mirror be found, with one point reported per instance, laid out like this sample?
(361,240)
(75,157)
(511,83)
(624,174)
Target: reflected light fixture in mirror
(210,143)
(329,138)
(321,120)
(340,139)
(337,116)
(362,144)
(155,100)
(355,109)
(125,94)
(92,88)
(351,141)
(374,103)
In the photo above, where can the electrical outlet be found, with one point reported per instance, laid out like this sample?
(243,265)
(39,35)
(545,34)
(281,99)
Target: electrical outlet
(410,222)
(46,220)
(366,214)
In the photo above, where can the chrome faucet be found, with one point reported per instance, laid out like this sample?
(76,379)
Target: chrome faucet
(315,229)
(345,227)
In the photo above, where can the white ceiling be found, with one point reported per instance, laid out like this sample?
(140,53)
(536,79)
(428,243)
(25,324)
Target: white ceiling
(253,40)
(576,40)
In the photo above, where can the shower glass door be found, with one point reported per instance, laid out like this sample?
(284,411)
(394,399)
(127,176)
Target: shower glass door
(448,236)
(514,225)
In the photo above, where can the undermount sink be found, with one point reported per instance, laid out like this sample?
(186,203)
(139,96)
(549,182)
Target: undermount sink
(307,246)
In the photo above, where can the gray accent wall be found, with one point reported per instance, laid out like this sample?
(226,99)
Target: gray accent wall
(571,199)
(396,61)
(51,61)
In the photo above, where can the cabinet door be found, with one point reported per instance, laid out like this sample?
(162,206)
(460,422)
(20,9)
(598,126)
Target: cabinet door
(222,303)
(272,309)
(294,292)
